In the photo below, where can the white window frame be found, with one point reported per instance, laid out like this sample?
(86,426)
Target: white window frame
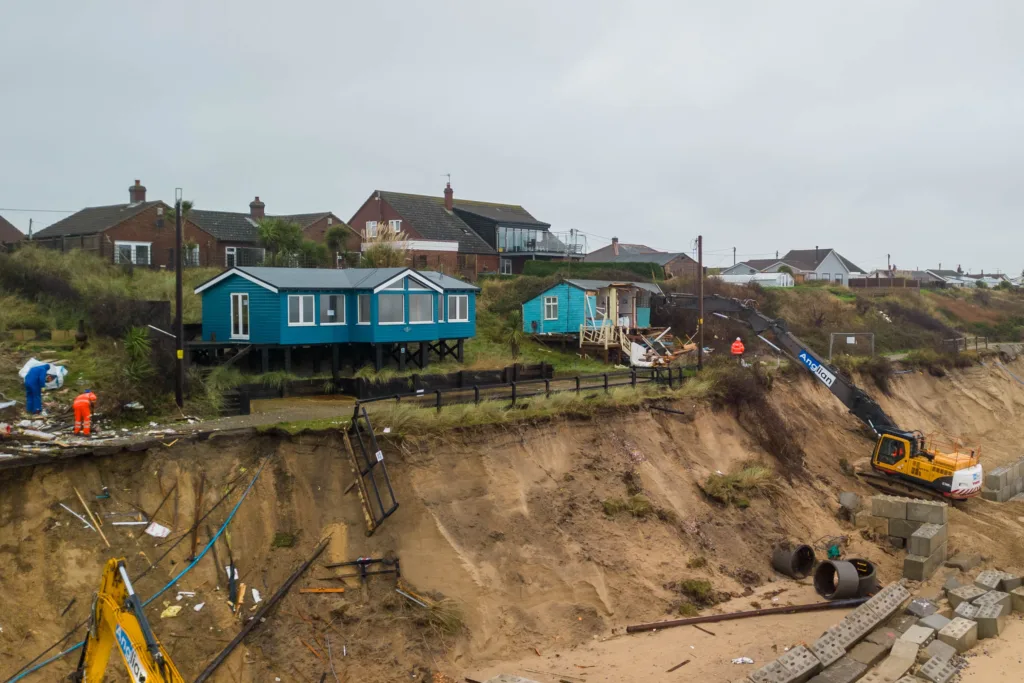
(340,310)
(464,307)
(193,254)
(502,263)
(359,309)
(550,301)
(827,277)
(371,229)
(302,322)
(230,251)
(134,246)
(395,225)
(396,296)
(433,317)
(840,279)
(240,297)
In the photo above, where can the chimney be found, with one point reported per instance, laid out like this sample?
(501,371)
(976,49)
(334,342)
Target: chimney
(449,197)
(256,209)
(815,253)
(615,246)
(137,193)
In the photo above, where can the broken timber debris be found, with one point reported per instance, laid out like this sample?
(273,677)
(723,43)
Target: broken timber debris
(713,618)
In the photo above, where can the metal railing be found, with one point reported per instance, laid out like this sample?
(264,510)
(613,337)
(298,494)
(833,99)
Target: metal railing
(514,392)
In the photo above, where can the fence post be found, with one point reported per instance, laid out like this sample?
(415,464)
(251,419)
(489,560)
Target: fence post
(632,377)
(547,388)
(513,393)
(437,393)
(577,384)
(476,393)
(606,382)
(398,398)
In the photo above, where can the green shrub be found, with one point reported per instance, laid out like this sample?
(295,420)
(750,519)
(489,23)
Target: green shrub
(752,479)
(642,272)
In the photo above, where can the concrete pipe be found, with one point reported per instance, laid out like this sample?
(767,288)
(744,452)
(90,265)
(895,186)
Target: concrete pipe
(867,580)
(836,580)
(795,561)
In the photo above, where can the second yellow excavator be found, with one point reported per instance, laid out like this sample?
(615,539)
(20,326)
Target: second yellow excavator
(118,619)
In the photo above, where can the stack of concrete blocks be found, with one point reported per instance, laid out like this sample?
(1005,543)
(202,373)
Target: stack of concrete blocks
(836,657)
(1003,483)
(920,526)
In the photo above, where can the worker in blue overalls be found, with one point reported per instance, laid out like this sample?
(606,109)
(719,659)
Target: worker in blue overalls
(35,380)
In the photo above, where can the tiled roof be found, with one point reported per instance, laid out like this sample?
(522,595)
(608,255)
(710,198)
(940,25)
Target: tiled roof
(761,263)
(500,213)
(605,253)
(659,258)
(93,219)
(9,233)
(810,259)
(432,221)
(229,226)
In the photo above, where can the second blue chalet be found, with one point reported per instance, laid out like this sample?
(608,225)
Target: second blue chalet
(358,310)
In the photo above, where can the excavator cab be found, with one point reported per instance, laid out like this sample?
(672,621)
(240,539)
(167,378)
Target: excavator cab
(917,461)
(892,454)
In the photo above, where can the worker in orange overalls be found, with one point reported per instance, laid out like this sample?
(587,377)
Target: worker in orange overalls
(83,412)
(738,349)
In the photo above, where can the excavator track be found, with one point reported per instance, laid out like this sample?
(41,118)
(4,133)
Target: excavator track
(898,487)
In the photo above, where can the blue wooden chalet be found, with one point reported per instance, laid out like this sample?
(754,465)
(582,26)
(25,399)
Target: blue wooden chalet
(361,313)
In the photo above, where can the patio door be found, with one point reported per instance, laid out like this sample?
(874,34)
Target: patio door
(239,316)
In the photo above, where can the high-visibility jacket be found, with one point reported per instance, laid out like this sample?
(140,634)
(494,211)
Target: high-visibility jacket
(738,348)
(86,399)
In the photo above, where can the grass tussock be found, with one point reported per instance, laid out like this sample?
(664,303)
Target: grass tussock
(937,364)
(752,479)
(878,368)
(638,506)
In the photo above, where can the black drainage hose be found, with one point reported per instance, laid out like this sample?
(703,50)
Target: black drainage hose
(795,561)
(837,580)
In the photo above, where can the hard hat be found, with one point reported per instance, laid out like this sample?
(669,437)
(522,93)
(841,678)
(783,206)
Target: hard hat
(738,339)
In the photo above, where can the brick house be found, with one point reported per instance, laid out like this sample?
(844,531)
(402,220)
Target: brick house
(675,264)
(9,234)
(237,234)
(138,232)
(437,238)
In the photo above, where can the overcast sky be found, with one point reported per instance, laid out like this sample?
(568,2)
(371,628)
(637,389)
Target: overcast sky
(871,126)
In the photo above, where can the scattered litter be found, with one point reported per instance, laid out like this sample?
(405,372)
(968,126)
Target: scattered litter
(158,530)
(187,594)
(201,606)
(170,612)
(80,517)
(256,596)
(129,523)
(153,424)
(387,430)
(36,434)
(134,405)
(743,660)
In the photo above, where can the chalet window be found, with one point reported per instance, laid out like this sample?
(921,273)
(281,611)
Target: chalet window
(390,309)
(421,308)
(230,257)
(300,310)
(364,309)
(133,252)
(416,285)
(371,229)
(506,266)
(551,308)
(396,226)
(332,309)
(458,308)
(400,284)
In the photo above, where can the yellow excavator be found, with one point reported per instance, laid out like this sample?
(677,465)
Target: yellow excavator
(118,619)
(903,462)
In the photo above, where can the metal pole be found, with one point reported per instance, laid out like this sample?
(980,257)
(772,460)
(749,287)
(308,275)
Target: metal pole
(700,299)
(712,618)
(179,319)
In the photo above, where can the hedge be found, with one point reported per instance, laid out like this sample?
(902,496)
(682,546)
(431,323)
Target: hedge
(593,270)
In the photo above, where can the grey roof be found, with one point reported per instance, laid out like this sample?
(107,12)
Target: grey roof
(659,258)
(604,253)
(94,219)
(9,233)
(432,221)
(601,284)
(761,263)
(346,278)
(500,213)
(810,259)
(304,219)
(946,273)
(229,226)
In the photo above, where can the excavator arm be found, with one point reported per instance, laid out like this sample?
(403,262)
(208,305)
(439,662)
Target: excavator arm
(118,621)
(853,397)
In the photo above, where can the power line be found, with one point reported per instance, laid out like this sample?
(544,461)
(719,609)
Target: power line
(40,210)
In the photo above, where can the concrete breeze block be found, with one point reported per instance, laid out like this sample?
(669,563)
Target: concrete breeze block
(961,634)
(928,511)
(773,672)
(1017,599)
(801,663)
(937,670)
(845,670)
(998,495)
(998,598)
(1010,582)
(919,635)
(902,528)
(921,568)
(868,653)
(921,608)
(893,507)
(926,540)
(939,649)
(877,525)
(988,580)
(936,622)
(902,657)
(828,650)
(965,610)
(964,594)
(991,621)
(884,636)
(998,478)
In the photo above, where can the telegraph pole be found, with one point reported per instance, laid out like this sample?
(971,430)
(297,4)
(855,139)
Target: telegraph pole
(734,256)
(179,319)
(700,299)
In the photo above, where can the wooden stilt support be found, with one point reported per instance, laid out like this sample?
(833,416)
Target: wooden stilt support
(360,484)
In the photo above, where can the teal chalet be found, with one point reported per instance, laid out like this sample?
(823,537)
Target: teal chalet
(365,314)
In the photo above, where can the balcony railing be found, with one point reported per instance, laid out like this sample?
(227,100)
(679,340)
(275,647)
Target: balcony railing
(567,244)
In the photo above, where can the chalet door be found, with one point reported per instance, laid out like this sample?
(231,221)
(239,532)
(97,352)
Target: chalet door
(239,316)
(625,309)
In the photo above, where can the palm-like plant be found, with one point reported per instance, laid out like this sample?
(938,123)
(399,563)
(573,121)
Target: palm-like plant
(512,333)
(386,250)
(186,209)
